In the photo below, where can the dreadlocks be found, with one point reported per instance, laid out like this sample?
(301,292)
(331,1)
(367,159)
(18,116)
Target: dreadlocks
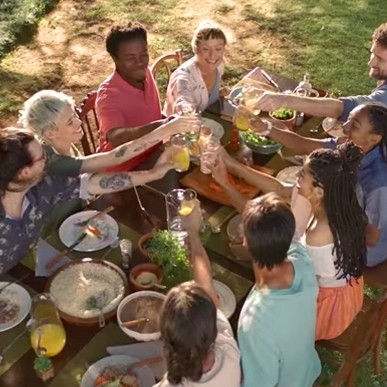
(377,114)
(334,171)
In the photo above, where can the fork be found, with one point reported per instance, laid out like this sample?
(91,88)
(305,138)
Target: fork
(143,209)
(83,223)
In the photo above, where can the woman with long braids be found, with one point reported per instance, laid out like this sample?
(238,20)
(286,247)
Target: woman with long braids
(330,222)
(367,128)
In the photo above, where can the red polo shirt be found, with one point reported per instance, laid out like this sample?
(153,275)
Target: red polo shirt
(120,105)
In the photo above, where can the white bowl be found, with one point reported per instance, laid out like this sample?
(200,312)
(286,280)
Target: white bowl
(136,335)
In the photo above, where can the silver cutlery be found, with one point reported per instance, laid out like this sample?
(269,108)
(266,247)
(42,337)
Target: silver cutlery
(13,282)
(143,209)
(83,223)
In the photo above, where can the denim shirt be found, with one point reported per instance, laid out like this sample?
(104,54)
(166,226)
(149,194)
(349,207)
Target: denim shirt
(372,194)
(379,94)
(17,236)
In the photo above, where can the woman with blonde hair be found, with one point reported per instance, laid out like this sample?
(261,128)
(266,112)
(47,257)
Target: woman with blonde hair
(196,82)
(52,116)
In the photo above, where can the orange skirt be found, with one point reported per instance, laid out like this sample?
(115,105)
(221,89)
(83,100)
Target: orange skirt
(337,308)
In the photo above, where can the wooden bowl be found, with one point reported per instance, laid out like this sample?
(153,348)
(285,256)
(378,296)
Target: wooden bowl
(141,268)
(141,243)
(92,320)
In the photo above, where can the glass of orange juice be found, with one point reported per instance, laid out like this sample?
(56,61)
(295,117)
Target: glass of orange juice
(179,203)
(47,335)
(181,156)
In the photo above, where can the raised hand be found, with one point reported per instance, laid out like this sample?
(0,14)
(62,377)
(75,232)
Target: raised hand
(183,125)
(270,101)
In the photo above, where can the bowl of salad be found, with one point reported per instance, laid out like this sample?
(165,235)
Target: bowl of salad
(259,144)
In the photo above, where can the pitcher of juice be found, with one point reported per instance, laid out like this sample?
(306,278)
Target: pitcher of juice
(48,336)
(181,156)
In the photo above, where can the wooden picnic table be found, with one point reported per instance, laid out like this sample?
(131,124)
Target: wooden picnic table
(84,344)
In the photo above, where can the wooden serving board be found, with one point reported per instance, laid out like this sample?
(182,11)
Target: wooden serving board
(201,184)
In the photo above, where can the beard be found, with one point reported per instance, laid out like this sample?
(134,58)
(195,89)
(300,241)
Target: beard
(378,75)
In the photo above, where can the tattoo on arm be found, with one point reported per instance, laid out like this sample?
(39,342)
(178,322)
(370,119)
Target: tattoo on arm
(120,152)
(145,145)
(117,182)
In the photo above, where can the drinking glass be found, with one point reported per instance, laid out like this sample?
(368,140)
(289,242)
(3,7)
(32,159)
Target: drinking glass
(47,335)
(209,154)
(179,203)
(205,137)
(181,157)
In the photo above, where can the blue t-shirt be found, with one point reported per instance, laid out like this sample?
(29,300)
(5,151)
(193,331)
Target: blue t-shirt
(276,330)
(379,94)
(372,194)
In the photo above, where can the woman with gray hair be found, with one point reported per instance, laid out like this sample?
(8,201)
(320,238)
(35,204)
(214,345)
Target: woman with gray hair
(52,116)
(196,82)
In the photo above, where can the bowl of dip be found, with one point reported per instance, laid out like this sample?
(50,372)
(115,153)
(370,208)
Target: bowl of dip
(144,275)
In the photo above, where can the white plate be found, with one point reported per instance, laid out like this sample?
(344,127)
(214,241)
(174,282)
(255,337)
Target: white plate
(333,127)
(144,373)
(235,229)
(69,232)
(21,297)
(289,174)
(227,298)
(217,129)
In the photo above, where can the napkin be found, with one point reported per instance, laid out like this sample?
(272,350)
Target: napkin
(44,253)
(143,351)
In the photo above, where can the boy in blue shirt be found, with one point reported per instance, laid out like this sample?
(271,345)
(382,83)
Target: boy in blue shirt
(276,327)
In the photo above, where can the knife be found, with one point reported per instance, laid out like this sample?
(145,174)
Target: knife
(270,79)
(52,262)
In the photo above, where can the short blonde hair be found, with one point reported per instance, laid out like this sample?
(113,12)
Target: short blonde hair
(204,31)
(40,112)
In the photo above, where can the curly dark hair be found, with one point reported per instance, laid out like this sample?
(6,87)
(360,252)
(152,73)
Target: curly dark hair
(334,172)
(123,33)
(377,116)
(14,154)
(188,330)
(380,35)
(269,227)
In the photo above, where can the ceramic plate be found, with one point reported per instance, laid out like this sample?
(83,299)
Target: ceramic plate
(227,298)
(217,129)
(289,174)
(144,373)
(333,127)
(69,231)
(17,298)
(235,229)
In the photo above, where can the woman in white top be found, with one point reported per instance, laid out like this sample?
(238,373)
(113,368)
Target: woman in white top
(199,345)
(196,82)
(330,222)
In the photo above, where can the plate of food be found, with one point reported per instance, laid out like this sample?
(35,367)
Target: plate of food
(76,282)
(226,297)
(115,371)
(259,144)
(235,230)
(15,304)
(289,175)
(217,129)
(333,127)
(72,228)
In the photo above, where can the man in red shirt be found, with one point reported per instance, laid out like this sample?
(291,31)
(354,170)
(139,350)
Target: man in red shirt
(128,104)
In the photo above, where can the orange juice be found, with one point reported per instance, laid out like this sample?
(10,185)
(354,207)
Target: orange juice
(241,121)
(52,338)
(181,157)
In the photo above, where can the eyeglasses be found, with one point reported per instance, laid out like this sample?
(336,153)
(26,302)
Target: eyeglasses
(41,158)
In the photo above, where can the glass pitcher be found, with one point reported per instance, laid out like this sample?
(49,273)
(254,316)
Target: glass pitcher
(47,335)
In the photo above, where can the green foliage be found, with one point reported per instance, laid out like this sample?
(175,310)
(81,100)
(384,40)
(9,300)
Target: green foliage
(166,251)
(283,114)
(42,363)
(18,20)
